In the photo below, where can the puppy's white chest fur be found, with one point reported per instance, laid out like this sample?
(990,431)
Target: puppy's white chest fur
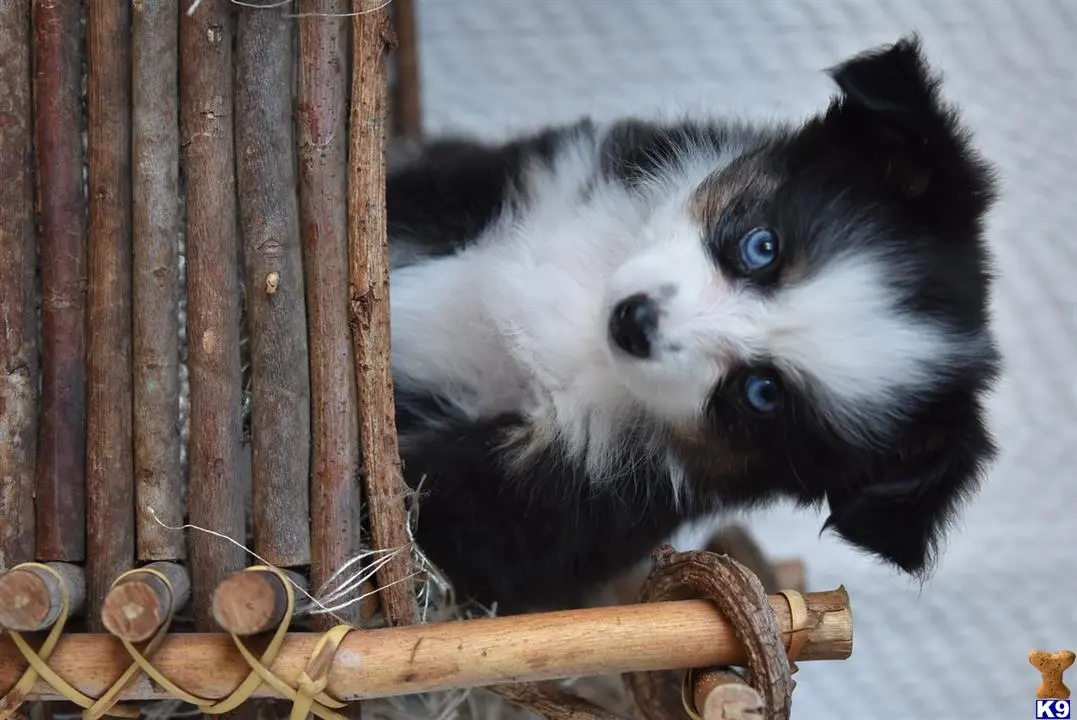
(516,322)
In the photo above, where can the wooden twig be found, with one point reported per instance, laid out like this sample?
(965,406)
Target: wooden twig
(110,500)
(61,201)
(214,497)
(252,601)
(31,598)
(457,654)
(369,309)
(407,103)
(138,605)
(724,695)
(322,127)
(156,227)
(549,700)
(18,290)
(276,306)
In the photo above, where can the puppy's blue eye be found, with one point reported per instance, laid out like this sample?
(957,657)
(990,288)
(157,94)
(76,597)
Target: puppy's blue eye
(758,249)
(762,393)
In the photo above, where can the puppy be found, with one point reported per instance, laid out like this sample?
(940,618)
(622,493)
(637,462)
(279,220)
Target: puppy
(602,332)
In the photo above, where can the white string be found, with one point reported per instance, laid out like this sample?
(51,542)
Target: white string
(343,568)
(195,3)
(352,583)
(222,536)
(386,3)
(259,6)
(316,606)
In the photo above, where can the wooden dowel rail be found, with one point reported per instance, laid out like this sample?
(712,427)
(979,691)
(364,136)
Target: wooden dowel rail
(441,656)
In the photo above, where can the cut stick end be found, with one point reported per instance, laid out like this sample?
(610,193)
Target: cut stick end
(733,702)
(249,602)
(834,625)
(724,695)
(133,611)
(25,602)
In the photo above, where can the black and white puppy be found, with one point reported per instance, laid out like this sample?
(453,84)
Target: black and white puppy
(603,331)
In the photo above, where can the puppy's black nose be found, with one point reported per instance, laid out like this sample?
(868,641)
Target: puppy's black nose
(632,323)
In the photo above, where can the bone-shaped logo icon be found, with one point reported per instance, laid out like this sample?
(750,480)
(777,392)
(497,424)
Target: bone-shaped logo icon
(1052,665)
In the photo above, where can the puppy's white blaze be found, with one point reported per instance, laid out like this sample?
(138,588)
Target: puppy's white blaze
(675,270)
(843,335)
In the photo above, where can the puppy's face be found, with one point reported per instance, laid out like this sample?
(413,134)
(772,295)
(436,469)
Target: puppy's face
(815,314)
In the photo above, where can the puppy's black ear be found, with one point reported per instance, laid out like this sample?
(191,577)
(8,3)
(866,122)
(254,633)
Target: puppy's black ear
(901,513)
(894,82)
(891,114)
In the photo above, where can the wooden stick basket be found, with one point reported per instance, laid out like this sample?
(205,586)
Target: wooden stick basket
(227,210)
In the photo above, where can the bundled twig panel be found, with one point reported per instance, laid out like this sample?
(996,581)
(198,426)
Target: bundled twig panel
(369,293)
(276,306)
(109,484)
(322,133)
(18,320)
(61,202)
(215,499)
(156,226)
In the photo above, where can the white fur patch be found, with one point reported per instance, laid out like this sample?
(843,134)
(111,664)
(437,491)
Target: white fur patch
(842,334)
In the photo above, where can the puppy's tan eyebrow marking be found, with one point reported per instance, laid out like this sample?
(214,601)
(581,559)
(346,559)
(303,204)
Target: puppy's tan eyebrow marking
(746,176)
